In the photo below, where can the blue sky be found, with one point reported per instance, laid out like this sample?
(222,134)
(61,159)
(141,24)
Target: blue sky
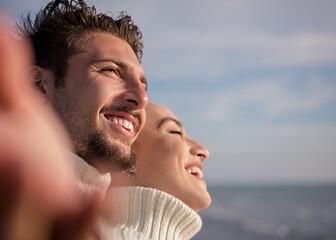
(254,81)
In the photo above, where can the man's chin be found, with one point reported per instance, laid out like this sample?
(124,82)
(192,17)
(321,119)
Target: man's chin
(123,147)
(106,155)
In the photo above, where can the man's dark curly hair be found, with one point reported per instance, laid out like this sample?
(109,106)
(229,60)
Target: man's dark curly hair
(60,31)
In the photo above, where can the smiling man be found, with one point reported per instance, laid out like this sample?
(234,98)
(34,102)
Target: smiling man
(87,67)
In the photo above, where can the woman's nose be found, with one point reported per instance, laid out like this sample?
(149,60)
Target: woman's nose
(199,150)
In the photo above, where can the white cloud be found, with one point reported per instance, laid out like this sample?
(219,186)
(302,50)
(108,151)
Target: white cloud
(272,97)
(218,52)
(212,39)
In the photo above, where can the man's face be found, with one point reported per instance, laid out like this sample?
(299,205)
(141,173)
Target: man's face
(102,103)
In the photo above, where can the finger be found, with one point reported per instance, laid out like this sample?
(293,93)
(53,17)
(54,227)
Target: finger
(14,59)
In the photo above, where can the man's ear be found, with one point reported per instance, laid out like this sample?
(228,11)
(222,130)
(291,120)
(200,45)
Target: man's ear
(43,80)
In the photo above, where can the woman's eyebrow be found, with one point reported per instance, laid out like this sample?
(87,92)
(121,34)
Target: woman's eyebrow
(169,119)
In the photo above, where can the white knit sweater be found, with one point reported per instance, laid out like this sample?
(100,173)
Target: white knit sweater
(88,178)
(140,213)
(136,213)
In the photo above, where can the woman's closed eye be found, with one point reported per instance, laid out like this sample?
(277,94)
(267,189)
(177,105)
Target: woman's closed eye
(176,132)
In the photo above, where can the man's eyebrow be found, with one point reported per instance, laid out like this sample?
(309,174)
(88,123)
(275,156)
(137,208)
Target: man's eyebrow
(117,62)
(169,119)
(123,65)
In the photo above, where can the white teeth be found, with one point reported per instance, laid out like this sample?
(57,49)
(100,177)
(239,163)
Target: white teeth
(122,122)
(195,171)
(126,123)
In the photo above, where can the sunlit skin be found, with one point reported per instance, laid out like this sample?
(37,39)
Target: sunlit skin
(107,76)
(165,154)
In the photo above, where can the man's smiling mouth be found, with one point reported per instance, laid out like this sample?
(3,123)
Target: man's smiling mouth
(121,121)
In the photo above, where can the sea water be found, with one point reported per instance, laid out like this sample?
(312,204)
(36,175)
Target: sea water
(270,213)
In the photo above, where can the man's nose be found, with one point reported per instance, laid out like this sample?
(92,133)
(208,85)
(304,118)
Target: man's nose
(136,95)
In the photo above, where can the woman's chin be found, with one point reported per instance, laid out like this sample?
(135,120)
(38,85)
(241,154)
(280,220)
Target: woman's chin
(201,202)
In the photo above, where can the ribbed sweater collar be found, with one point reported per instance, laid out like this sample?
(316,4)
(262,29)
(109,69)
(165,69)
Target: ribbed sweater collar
(89,178)
(152,213)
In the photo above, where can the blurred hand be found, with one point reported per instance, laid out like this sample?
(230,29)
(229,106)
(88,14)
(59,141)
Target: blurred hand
(37,195)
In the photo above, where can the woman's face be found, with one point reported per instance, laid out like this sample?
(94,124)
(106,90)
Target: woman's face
(168,160)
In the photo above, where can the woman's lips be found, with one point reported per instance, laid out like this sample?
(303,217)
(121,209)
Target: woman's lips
(194,170)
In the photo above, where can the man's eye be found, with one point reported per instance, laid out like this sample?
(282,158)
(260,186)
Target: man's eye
(176,132)
(112,70)
(144,85)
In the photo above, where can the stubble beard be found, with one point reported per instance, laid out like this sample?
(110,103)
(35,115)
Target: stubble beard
(91,144)
(98,152)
